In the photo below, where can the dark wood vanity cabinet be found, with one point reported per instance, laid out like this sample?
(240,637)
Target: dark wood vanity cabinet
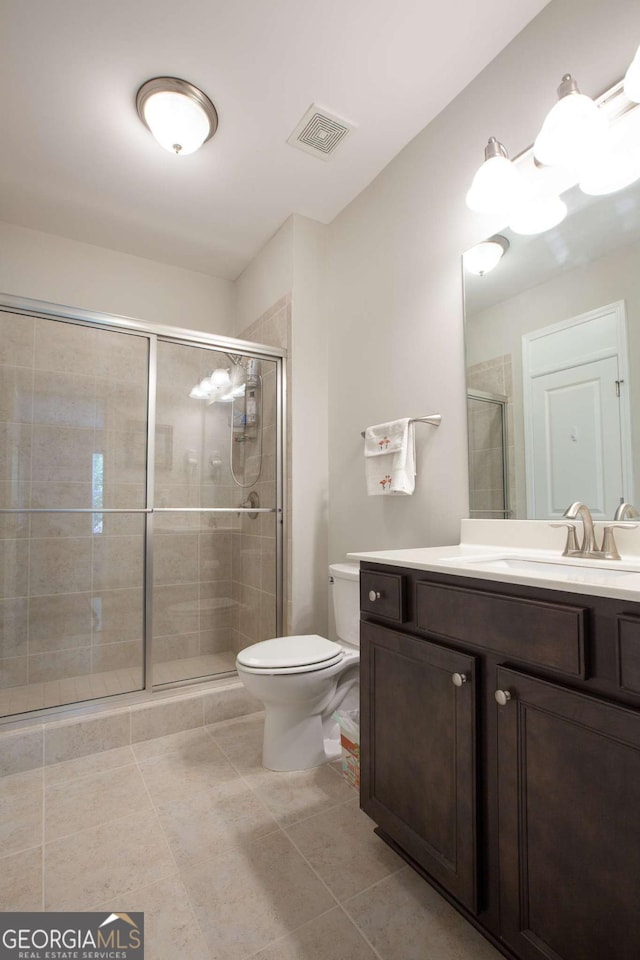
(415,711)
(524,813)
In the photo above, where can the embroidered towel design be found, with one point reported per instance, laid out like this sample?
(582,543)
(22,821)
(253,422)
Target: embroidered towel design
(390,458)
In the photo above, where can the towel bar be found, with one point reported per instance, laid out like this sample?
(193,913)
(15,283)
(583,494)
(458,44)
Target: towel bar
(434,419)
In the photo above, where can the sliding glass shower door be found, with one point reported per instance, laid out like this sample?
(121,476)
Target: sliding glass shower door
(214,571)
(73,414)
(140,510)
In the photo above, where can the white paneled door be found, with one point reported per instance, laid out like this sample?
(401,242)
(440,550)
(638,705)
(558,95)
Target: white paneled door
(576,415)
(576,439)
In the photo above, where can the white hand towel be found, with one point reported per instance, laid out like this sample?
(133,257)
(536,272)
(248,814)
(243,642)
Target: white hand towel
(390,458)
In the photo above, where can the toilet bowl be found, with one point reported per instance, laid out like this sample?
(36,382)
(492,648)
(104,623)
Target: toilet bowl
(302,679)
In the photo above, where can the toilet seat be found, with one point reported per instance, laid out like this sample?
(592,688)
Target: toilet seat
(283,655)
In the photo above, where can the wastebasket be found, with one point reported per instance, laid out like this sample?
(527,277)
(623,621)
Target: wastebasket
(349,723)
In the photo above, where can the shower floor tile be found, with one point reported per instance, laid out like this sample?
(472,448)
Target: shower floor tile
(54,693)
(213,858)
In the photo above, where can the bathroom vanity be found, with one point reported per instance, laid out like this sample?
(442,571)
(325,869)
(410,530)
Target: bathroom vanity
(500,740)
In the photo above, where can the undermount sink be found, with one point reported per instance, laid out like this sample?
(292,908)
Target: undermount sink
(582,572)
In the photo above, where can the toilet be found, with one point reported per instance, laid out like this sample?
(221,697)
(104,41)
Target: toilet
(302,680)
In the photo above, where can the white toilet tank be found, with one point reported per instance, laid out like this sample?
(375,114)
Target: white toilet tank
(345,593)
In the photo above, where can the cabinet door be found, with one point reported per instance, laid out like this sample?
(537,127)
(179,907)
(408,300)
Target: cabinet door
(569,801)
(418,753)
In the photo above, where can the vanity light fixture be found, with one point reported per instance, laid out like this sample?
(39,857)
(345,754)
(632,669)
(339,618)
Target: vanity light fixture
(220,386)
(179,115)
(632,79)
(611,169)
(538,215)
(496,187)
(573,129)
(485,256)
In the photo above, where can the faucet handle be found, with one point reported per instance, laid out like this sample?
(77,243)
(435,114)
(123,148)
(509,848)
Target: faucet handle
(609,548)
(571,546)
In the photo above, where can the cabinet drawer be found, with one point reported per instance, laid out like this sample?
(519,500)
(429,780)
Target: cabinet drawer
(550,635)
(629,653)
(387,591)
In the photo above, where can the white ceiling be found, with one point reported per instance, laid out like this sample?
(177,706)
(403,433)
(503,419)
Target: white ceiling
(77,162)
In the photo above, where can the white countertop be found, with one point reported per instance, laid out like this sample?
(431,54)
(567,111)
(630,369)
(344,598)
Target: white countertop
(527,552)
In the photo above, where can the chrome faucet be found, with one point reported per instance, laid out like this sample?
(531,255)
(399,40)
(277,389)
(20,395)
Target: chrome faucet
(581,511)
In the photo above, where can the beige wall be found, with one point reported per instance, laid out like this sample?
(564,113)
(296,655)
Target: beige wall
(46,267)
(396,341)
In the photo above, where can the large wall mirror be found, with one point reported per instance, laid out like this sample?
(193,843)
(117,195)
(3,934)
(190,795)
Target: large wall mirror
(553,365)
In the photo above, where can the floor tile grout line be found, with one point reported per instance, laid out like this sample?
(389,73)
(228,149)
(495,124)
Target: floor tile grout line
(274,943)
(327,809)
(171,853)
(337,903)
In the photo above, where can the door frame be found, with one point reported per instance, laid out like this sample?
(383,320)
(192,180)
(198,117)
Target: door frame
(620,351)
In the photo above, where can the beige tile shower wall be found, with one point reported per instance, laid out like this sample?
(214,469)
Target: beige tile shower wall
(72,419)
(193,597)
(254,546)
(485,450)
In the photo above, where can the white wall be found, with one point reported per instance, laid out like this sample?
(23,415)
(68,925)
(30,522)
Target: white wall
(46,267)
(267,278)
(310,424)
(396,343)
(294,260)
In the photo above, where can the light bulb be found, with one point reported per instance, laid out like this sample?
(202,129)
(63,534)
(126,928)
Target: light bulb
(632,79)
(537,215)
(572,130)
(496,187)
(220,377)
(485,256)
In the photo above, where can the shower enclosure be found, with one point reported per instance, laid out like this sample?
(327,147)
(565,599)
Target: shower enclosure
(141,514)
(488,455)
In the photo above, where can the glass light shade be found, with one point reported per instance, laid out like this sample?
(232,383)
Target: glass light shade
(538,215)
(197,393)
(178,123)
(220,378)
(611,169)
(496,187)
(483,257)
(572,130)
(632,79)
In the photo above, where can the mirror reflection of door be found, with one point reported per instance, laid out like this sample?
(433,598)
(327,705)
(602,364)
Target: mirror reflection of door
(576,414)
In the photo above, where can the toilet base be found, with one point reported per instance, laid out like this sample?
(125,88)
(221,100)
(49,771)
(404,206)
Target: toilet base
(295,741)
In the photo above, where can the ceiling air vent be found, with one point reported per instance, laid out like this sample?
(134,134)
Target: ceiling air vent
(320,132)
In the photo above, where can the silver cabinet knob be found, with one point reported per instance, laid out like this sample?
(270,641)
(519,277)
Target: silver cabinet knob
(374,595)
(458,679)
(502,697)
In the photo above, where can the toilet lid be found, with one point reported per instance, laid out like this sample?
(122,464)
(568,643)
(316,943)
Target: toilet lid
(286,652)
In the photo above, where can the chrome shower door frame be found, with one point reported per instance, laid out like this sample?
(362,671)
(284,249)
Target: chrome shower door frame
(154,333)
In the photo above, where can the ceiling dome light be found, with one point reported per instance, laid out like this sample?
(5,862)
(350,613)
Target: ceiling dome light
(496,186)
(572,129)
(485,256)
(632,79)
(180,116)
(538,215)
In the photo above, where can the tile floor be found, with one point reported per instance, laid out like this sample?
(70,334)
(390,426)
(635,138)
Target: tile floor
(227,860)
